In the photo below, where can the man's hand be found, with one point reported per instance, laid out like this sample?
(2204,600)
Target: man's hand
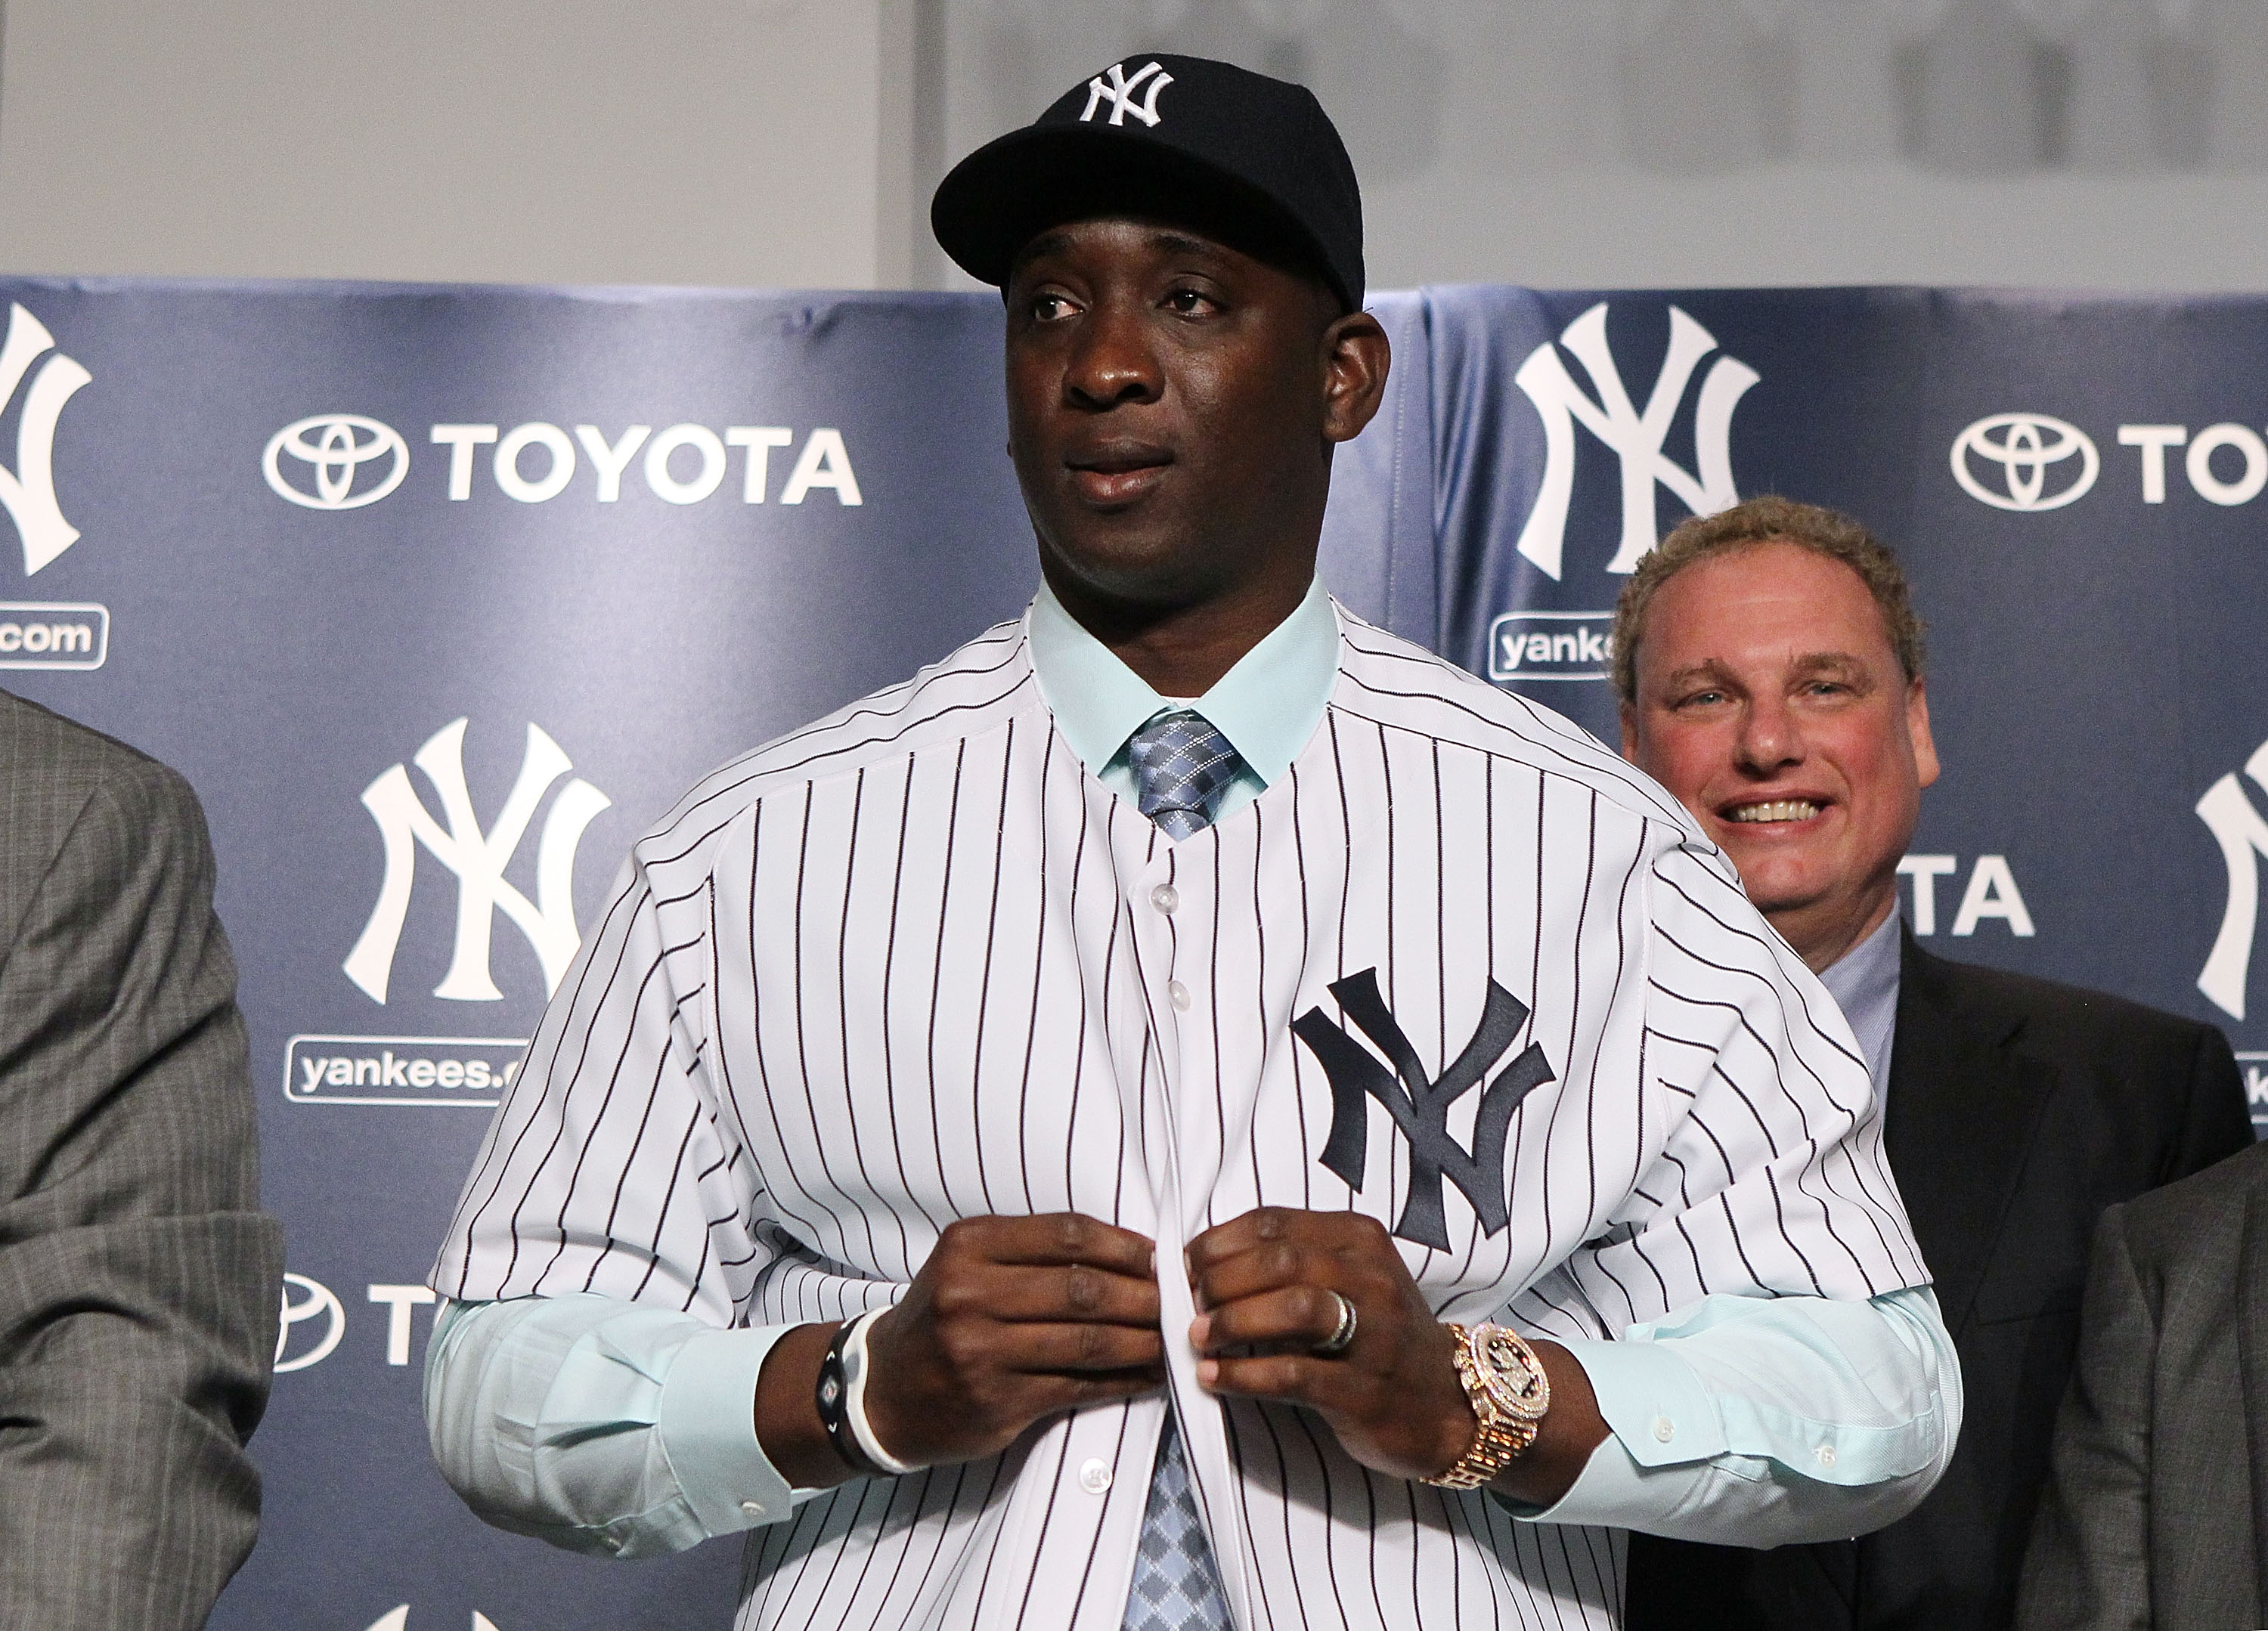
(1012,1319)
(1264,1284)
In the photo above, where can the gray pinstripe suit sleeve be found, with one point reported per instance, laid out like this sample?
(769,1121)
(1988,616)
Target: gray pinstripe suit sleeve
(2089,1562)
(137,1278)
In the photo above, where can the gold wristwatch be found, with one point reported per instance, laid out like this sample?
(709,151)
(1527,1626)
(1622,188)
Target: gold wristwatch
(1509,1392)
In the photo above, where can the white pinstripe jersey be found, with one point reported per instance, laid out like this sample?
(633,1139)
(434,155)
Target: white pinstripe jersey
(913,963)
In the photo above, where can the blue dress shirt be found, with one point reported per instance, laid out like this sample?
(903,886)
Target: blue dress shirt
(611,1426)
(1864,982)
(1267,706)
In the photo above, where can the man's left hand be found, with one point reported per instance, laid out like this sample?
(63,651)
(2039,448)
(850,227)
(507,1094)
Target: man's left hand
(1265,1283)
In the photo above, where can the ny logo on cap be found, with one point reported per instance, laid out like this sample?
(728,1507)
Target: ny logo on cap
(1120,91)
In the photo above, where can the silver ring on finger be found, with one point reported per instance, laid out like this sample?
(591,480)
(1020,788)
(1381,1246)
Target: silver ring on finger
(1339,1341)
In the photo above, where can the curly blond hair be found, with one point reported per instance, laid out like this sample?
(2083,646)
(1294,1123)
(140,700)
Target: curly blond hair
(1769,519)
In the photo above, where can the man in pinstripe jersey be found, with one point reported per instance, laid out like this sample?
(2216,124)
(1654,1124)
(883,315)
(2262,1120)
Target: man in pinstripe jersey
(947,1006)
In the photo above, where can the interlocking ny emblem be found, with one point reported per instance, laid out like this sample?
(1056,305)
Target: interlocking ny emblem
(1635,436)
(398,1619)
(2237,827)
(478,859)
(1420,1108)
(28,491)
(1121,90)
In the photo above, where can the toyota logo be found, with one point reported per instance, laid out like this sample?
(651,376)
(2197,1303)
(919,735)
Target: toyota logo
(2018,450)
(319,1302)
(337,447)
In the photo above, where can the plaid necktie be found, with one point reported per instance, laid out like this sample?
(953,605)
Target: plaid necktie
(1181,768)
(1175,1588)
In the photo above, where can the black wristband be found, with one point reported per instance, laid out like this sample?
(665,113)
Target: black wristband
(833,1397)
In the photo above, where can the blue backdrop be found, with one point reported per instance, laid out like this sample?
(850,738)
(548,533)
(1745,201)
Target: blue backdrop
(440,595)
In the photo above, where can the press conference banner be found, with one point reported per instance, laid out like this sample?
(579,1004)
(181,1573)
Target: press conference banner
(441,595)
(2076,485)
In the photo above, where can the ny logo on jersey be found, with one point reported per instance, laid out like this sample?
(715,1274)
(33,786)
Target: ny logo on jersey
(1120,91)
(2243,837)
(1420,1106)
(1635,437)
(479,860)
(28,491)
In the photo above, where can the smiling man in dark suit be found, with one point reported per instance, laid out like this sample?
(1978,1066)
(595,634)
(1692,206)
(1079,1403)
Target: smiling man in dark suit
(1770,666)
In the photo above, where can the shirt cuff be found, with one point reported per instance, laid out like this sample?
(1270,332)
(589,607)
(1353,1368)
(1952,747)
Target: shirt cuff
(707,1422)
(1660,1415)
(1657,1404)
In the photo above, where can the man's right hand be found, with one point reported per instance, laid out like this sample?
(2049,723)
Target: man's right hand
(1011,1319)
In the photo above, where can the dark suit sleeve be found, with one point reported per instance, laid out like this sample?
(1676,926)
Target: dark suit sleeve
(2217,1120)
(138,1282)
(2088,1564)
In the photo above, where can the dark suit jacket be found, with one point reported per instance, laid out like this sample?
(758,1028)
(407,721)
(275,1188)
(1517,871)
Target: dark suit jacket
(138,1280)
(2018,1110)
(2156,1512)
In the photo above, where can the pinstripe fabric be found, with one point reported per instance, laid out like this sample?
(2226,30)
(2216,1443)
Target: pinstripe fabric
(913,963)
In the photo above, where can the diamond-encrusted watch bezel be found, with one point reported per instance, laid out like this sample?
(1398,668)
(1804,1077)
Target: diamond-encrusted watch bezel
(1507,1368)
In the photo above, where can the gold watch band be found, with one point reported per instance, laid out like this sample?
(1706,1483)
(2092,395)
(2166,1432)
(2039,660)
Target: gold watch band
(1500,1435)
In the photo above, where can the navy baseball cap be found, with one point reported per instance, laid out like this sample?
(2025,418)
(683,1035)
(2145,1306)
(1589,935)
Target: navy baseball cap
(1252,161)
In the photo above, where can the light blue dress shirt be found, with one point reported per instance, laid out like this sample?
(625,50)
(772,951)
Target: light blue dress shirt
(1864,982)
(1267,706)
(609,1427)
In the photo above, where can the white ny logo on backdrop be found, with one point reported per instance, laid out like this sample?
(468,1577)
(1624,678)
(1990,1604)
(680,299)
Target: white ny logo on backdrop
(2244,837)
(398,1619)
(1635,437)
(479,860)
(1121,92)
(28,491)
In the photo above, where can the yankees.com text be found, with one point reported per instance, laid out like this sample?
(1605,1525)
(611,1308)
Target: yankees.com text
(433,1070)
(67,639)
(36,634)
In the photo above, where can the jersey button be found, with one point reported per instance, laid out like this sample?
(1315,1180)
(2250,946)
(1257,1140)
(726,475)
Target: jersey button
(753,1509)
(1179,993)
(1664,1428)
(1094,1475)
(1827,1455)
(1166,898)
